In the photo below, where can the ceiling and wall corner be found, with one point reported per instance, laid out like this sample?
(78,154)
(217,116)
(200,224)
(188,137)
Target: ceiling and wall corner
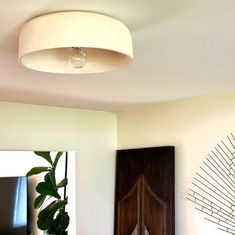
(181,49)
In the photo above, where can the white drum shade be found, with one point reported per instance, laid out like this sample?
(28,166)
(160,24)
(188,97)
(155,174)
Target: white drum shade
(46,42)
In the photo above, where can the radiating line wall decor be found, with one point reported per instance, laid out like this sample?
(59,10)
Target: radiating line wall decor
(213,187)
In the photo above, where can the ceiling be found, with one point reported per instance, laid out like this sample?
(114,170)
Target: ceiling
(182,48)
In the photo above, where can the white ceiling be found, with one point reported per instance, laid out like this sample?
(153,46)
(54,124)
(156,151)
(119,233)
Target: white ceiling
(182,48)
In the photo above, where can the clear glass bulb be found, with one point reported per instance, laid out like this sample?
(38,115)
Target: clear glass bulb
(77,57)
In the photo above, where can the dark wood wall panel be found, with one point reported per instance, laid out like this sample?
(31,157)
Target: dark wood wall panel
(128,221)
(144,198)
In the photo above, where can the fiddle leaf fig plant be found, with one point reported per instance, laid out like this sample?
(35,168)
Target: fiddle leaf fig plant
(52,216)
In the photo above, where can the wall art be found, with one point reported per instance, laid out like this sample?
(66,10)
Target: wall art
(212,190)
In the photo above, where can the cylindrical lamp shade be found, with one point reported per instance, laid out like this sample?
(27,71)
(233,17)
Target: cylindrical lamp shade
(47,43)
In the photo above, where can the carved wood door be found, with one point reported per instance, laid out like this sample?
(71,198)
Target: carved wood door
(144,200)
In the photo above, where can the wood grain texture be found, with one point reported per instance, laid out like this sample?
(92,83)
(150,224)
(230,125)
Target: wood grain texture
(144,197)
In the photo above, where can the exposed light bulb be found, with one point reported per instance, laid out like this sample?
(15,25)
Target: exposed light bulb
(77,57)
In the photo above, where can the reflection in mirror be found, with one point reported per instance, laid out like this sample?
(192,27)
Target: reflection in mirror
(18,163)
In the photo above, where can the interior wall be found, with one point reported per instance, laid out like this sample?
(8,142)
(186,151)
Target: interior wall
(91,134)
(194,126)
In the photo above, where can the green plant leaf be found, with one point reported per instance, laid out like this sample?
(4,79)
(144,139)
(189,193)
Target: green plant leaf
(37,170)
(61,221)
(45,155)
(58,155)
(39,201)
(51,229)
(46,188)
(62,183)
(50,179)
(46,216)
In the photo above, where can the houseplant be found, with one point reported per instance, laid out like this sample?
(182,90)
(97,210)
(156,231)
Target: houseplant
(52,217)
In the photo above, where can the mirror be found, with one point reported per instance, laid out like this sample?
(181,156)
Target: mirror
(18,163)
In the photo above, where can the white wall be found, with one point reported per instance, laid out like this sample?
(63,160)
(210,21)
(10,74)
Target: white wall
(92,134)
(194,127)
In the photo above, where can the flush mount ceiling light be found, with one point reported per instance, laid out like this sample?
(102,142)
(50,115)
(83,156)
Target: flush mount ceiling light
(74,43)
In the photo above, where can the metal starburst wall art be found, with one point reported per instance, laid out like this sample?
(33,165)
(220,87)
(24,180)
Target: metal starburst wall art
(212,190)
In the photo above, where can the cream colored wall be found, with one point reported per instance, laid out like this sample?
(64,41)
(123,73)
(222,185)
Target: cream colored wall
(92,134)
(194,127)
